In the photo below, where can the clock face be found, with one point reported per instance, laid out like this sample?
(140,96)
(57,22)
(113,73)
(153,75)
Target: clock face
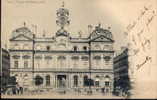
(62,18)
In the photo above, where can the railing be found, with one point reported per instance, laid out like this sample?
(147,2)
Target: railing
(61,69)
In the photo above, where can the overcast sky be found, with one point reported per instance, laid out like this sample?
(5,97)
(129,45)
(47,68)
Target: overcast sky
(110,13)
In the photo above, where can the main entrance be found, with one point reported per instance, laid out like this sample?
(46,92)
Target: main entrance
(61,81)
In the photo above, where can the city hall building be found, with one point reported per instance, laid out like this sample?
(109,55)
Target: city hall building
(62,62)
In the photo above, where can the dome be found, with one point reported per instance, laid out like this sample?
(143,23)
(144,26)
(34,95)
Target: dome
(22,30)
(101,31)
(61,32)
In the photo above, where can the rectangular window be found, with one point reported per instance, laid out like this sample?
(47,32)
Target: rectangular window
(96,83)
(16,63)
(85,58)
(25,64)
(107,83)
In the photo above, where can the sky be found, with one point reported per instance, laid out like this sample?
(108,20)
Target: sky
(110,13)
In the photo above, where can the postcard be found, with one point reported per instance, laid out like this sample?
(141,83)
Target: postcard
(79,49)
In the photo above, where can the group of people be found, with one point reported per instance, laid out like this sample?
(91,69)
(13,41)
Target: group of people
(13,90)
(17,90)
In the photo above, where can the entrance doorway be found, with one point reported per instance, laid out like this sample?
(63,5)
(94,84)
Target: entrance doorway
(61,81)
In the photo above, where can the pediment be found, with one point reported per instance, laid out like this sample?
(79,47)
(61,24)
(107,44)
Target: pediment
(102,39)
(21,37)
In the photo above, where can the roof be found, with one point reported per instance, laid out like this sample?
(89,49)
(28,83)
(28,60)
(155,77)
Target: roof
(62,32)
(22,30)
(101,31)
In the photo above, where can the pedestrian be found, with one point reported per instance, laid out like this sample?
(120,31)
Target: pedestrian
(14,90)
(17,88)
(21,89)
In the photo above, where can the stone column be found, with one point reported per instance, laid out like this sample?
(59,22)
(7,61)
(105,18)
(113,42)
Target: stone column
(51,80)
(55,81)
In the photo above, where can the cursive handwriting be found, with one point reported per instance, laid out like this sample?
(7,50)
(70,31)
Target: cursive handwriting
(138,37)
(131,26)
(133,39)
(143,12)
(149,20)
(139,34)
(143,63)
(146,43)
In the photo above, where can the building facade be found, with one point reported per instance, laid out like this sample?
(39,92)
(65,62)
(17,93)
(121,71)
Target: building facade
(121,75)
(5,68)
(62,62)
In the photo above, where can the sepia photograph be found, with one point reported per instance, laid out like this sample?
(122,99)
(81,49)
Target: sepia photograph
(78,49)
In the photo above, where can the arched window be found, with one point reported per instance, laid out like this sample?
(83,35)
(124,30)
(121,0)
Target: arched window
(75,48)
(107,80)
(97,81)
(38,80)
(48,80)
(85,48)
(85,80)
(47,48)
(75,81)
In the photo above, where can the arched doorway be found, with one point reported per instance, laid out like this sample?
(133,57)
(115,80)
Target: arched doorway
(61,81)
(38,80)
(85,80)
(97,81)
(107,84)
